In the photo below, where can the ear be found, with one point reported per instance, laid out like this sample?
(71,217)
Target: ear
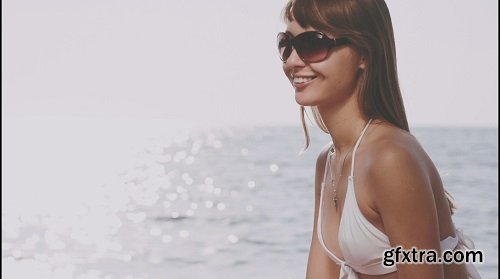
(362,63)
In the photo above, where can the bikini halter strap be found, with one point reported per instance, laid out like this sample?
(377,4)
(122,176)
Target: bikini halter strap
(356,146)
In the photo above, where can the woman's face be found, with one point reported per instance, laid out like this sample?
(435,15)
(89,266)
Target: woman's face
(331,81)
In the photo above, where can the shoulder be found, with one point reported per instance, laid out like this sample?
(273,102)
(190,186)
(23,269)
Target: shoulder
(397,165)
(394,149)
(400,186)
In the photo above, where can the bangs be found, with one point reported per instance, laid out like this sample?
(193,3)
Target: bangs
(323,15)
(305,13)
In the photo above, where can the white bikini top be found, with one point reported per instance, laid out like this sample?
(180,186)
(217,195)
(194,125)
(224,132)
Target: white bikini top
(361,243)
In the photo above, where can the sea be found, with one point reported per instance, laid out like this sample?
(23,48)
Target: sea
(113,199)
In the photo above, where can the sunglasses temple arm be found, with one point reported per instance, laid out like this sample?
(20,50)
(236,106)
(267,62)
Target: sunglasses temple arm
(339,41)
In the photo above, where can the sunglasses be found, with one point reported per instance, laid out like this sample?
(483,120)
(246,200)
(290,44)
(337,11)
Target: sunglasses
(311,46)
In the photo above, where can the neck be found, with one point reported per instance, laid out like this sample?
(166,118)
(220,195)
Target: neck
(344,125)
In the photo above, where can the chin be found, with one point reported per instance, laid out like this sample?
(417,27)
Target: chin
(305,100)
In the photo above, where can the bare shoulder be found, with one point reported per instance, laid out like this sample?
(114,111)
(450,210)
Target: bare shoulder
(400,179)
(403,178)
(396,162)
(394,143)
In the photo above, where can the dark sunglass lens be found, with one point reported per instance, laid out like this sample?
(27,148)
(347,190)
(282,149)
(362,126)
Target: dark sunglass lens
(283,45)
(285,53)
(311,46)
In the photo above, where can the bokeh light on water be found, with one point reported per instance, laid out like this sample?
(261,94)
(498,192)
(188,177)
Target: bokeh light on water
(183,205)
(196,204)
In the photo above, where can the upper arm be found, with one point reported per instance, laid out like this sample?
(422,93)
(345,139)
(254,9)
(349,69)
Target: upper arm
(319,265)
(404,199)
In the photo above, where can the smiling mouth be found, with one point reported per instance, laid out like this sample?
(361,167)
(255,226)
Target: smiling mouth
(302,80)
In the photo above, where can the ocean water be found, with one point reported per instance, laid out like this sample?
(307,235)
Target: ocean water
(105,199)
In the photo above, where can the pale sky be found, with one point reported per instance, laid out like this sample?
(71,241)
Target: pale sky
(216,61)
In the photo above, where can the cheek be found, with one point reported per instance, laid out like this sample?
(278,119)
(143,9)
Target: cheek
(339,76)
(286,69)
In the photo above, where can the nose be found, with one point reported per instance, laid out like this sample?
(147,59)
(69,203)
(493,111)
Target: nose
(294,60)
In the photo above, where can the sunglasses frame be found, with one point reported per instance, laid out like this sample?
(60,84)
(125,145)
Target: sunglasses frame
(292,42)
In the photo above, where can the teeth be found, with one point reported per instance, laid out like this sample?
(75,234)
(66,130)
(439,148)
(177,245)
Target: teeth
(302,79)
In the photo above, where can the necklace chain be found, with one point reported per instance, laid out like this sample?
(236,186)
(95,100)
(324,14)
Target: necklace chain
(332,176)
(334,154)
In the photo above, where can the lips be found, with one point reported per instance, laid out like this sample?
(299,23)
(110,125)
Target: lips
(300,82)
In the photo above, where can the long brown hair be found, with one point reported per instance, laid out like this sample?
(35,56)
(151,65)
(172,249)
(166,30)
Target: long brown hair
(367,24)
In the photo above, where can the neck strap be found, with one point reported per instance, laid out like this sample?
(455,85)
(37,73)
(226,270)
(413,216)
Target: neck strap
(356,146)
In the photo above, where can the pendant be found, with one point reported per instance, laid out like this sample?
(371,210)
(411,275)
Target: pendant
(335,198)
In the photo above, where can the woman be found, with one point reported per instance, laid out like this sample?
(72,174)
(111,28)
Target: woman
(376,188)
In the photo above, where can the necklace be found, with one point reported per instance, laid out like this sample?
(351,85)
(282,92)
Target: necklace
(331,158)
(332,179)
